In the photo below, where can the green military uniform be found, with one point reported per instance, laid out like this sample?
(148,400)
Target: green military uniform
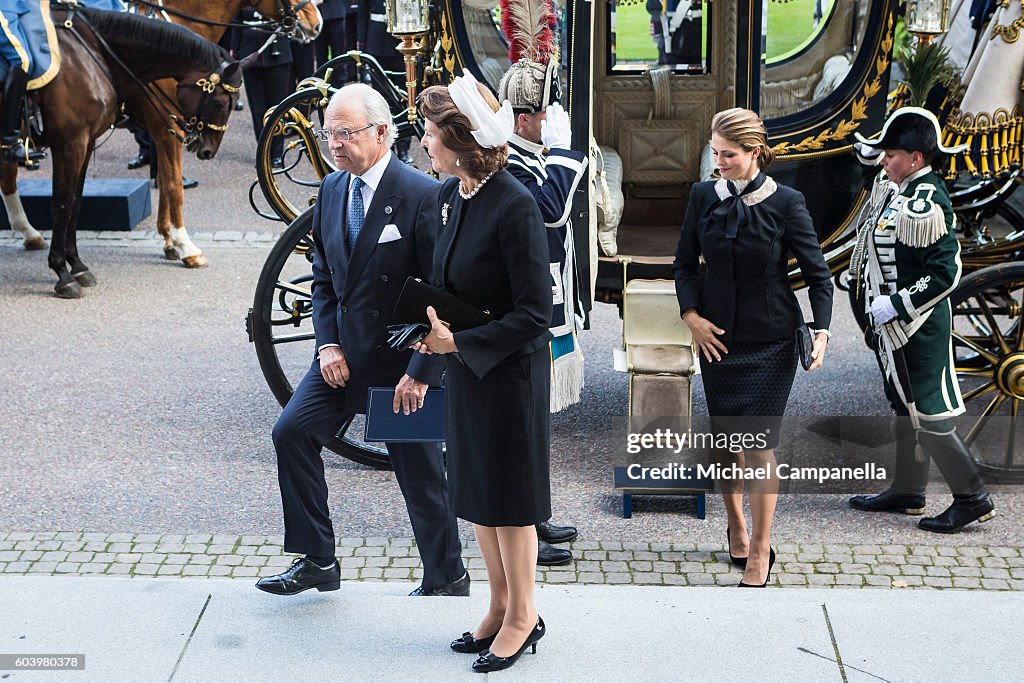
(913,257)
(906,265)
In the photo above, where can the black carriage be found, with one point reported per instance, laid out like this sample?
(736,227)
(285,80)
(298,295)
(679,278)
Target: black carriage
(642,115)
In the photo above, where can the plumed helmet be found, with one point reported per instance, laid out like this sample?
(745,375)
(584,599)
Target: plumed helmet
(531,83)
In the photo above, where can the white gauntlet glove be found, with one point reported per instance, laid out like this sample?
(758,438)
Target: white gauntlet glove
(882,310)
(555,130)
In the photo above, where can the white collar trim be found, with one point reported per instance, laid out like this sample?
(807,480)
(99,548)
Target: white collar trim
(756,197)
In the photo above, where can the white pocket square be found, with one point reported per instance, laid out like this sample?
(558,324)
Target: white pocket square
(390,234)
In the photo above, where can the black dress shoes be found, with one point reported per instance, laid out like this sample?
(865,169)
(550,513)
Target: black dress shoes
(550,556)
(457,588)
(138,162)
(488,661)
(964,510)
(556,534)
(887,501)
(771,563)
(469,645)
(302,576)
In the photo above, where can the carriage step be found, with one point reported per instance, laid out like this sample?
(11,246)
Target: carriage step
(107,203)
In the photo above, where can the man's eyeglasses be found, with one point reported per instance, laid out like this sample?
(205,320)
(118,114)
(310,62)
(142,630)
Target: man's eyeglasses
(326,134)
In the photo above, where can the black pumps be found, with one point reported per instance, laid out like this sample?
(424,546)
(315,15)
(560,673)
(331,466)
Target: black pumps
(771,563)
(467,644)
(488,661)
(736,561)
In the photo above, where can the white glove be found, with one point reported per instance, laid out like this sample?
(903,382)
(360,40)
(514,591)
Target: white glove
(882,310)
(555,130)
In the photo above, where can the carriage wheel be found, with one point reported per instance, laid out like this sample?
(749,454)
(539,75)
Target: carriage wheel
(292,122)
(281,326)
(288,190)
(988,347)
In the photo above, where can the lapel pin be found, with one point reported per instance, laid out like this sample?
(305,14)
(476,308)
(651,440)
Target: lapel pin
(387,210)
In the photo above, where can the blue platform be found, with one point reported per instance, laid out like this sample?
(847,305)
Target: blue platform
(107,204)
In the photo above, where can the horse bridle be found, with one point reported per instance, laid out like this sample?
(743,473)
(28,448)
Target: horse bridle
(195,125)
(287,26)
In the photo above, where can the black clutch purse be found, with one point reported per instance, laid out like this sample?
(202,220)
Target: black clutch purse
(411,308)
(804,345)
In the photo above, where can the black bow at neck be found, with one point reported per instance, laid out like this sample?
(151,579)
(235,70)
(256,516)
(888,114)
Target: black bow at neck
(732,213)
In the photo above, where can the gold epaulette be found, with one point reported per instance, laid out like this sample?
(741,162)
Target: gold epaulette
(921,221)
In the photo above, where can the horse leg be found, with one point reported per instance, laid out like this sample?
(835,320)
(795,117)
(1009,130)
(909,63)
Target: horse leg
(69,163)
(83,276)
(172,203)
(170,221)
(15,211)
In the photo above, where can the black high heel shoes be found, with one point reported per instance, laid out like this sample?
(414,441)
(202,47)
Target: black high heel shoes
(771,563)
(488,661)
(467,644)
(736,561)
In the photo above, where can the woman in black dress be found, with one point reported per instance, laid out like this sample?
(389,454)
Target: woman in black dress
(744,314)
(491,251)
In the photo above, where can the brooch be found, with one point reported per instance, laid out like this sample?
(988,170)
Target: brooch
(444,214)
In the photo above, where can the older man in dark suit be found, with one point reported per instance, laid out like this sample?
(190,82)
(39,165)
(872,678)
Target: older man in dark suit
(371,230)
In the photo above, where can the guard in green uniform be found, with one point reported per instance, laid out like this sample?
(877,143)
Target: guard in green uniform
(906,265)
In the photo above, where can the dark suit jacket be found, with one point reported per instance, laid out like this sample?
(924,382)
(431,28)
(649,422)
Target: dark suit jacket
(745,289)
(494,254)
(354,295)
(336,9)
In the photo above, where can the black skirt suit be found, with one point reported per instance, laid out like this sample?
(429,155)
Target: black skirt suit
(491,251)
(746,240)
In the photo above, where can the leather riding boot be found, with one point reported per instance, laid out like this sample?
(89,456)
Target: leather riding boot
(10,115)
(906,493)
(971,501)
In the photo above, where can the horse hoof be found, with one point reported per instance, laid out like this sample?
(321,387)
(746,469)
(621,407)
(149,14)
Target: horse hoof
(170,253)
(35,243)
(85,278)
(197,261)
(68,290)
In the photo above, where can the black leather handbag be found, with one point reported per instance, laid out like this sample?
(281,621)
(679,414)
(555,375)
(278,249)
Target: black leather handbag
(804,345)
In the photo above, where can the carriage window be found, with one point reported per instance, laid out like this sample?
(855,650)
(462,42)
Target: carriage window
(649,33)
(809,48)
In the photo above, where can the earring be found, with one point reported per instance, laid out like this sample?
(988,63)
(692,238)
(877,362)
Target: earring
(458,161)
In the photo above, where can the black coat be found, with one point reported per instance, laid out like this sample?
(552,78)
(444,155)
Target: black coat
(745,289)
(354,296)
(495,256)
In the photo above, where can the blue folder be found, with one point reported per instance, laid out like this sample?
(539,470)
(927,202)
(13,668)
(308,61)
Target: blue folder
(424,425)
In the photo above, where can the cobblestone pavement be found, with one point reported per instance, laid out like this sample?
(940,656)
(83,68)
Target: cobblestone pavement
(597,562)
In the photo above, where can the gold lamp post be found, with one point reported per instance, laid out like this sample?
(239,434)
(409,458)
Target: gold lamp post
(927,19)
(407,20)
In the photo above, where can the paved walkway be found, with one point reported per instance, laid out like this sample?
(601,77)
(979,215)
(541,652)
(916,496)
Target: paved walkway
(597,562)
(133,238)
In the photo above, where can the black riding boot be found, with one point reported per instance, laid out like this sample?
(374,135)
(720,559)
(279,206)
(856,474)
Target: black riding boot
(971,501)
(10,116)
(906,494)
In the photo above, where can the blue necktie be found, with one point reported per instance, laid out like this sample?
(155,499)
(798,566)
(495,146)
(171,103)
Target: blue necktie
(355,212)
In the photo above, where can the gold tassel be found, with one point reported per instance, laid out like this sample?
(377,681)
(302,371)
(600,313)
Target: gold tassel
(985,173)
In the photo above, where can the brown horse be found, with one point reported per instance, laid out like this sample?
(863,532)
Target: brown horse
(297,18)
(102,55)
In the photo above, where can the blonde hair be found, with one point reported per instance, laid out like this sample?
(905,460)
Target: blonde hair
(746,129)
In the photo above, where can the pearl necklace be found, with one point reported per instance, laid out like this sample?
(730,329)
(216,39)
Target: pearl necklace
(470,195)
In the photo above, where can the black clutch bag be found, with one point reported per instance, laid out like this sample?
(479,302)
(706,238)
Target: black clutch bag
(411,309)
(803,345)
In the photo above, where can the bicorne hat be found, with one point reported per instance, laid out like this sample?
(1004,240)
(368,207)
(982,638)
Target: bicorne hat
(912,129)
